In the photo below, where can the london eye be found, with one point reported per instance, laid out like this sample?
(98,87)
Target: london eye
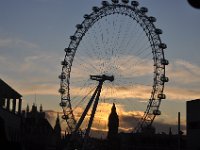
(115,55)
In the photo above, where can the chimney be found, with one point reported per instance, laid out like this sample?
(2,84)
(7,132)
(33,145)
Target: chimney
(179,122)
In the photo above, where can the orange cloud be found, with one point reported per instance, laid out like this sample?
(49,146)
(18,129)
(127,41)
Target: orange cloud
(183,72)
(102,113)
(39,89)
(116,92)
(127,120)
(100,122)
(177,93)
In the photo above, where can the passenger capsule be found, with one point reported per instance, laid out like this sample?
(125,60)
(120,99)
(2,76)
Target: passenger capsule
(152,19)
(61,91)
(86,16)
(125,1)
(62,76)
(63,104)
(115,1)
(156,112)
(158,31)
(144,10)
(65,117)
(135,3)
(95,9)
(73,37)
(105,3)
(161,96)
(164,79)
(162,45)
(68,50)
(64,63)
(164,62)
(79,26)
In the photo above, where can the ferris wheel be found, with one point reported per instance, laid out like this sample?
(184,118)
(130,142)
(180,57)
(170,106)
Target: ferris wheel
(115,55)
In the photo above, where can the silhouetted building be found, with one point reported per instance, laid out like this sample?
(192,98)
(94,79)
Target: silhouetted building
(57,133)
(113,123)
(3,139)
(10,110)
(37,132)
(25,130)
(141,141)
(9,98)
(193,124)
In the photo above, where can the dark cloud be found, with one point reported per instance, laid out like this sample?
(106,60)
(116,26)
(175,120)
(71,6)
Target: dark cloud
(126,124)
(130,121)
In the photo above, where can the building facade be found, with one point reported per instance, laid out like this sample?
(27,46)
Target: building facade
(10,113)
(27,129)
(193,124)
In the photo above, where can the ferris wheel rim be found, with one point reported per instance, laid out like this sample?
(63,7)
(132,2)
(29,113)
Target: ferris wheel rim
(157,47)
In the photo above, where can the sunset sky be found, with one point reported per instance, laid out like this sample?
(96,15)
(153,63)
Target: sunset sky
(34,33)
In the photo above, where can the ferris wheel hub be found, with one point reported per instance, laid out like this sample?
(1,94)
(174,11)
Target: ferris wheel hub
(102,78)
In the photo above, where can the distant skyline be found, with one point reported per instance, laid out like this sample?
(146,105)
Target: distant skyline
(33,35)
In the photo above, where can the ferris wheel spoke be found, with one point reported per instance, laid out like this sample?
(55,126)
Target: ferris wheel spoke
(124,38)
(82,87)
(136,42)
(83,99)
(114,35)
(84,64)
(117,38)
(144,61)
(142,49)
(130,40)
(88,49)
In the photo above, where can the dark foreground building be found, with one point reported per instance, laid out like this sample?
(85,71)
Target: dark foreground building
(25,130)
(193,124)
(10,117)
(37,133)
(141,141)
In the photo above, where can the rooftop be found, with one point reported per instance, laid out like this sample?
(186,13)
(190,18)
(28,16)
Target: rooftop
(8,92)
